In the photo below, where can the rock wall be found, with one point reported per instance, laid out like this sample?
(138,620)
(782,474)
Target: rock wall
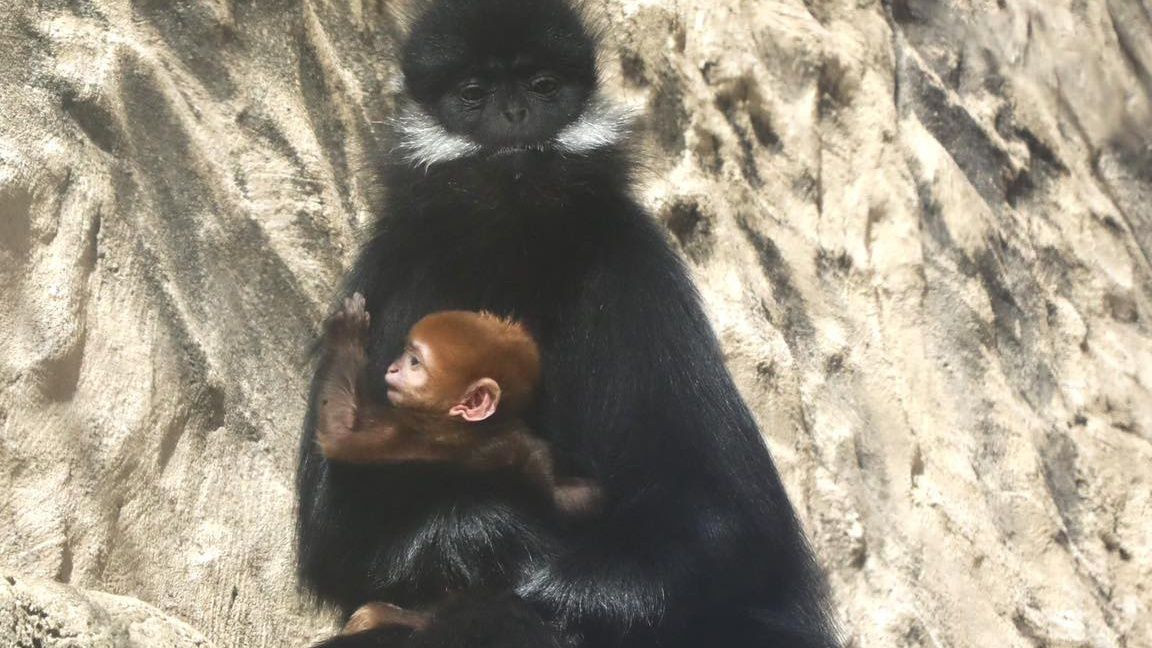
(45,614)
(923,229)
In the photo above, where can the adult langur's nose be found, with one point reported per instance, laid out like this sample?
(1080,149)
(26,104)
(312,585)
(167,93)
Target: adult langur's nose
(515,114)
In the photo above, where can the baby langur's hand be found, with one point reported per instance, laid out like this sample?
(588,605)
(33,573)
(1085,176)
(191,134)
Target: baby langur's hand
(350,323)
(577,497)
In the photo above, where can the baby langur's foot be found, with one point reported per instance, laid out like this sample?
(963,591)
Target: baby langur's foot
(350,323)
(381,615)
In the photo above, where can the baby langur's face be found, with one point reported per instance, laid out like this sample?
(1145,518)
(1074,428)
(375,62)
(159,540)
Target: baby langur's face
(418,381)
(407,378)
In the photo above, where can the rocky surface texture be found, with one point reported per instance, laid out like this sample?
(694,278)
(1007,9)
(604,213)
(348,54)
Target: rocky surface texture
(923,229)
(46,614)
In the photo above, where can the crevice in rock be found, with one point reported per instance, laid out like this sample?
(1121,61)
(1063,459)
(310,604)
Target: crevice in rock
(690,226)
(792,320)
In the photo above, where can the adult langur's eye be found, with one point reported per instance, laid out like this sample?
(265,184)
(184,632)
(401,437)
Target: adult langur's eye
(545,85)
(473,92)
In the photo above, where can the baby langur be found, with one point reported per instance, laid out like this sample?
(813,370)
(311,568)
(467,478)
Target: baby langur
(458,393)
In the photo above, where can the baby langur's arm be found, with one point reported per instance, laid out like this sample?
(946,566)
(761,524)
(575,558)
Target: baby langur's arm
(575,497)
(350,429)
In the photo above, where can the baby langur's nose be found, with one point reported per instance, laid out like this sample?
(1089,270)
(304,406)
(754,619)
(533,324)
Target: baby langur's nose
(394,367)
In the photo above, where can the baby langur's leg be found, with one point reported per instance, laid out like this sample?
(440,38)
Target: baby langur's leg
(381,615)
(345,339)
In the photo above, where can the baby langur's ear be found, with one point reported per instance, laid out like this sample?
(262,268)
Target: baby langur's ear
(479,401)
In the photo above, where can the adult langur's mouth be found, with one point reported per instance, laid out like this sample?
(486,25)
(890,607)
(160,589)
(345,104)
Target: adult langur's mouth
(519,148)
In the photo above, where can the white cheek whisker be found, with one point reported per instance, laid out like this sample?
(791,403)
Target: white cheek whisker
(423,142)
(602,124)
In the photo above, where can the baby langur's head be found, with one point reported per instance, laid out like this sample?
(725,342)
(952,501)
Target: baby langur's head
(466,364)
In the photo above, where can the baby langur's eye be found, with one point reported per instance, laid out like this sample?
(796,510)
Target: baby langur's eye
(413,361)
(545,85)
(473,92)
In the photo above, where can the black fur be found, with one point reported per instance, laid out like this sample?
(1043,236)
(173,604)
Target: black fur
(697,544)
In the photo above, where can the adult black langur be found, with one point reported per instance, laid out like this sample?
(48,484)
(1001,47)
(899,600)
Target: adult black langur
(510,191)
